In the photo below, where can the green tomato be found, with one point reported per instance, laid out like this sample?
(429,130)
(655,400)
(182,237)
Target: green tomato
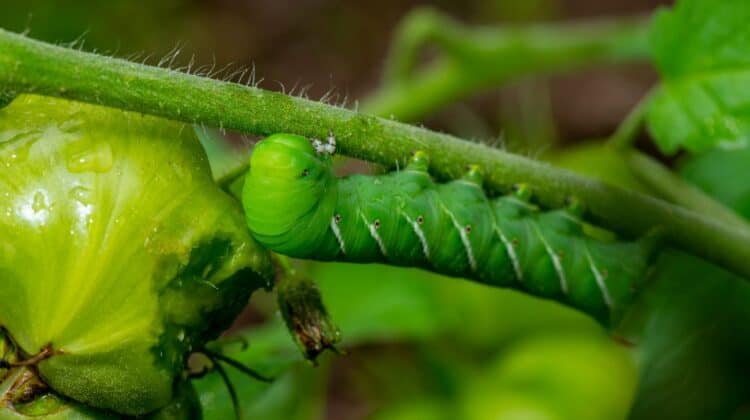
(119,255)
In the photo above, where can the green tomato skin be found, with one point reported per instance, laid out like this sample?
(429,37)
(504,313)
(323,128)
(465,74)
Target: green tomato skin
(294,205)
(117,250)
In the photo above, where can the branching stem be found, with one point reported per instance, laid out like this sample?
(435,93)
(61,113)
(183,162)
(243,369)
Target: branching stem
(31,66)
(631,126)
(472,59)
(674,189)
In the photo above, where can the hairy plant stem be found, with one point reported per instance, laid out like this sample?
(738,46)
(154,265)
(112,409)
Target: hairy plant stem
(32,66)
(472,59)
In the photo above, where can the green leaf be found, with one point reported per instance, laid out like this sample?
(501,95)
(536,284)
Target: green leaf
(702,50)
(373,303)
(692,339)
(722,175)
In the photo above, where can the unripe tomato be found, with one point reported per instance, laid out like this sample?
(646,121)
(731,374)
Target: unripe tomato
(119,255)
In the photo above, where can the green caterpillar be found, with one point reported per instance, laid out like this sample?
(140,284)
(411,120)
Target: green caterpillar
(294,205)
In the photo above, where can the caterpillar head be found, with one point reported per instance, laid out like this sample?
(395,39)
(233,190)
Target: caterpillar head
(288,190)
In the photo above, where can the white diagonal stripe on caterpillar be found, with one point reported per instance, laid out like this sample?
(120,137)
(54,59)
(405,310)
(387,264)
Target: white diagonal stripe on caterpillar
(555,259)
(464,237)
(337,234)
(511,253)
(375,235)
(599,279)
(420,234)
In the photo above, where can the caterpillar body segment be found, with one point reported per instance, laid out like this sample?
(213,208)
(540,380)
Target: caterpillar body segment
(296,206)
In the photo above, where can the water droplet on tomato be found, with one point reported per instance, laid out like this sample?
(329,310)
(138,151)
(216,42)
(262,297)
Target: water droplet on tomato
(19,145)
(81,194)
(39,203)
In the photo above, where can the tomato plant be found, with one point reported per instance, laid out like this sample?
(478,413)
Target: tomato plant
(133,235)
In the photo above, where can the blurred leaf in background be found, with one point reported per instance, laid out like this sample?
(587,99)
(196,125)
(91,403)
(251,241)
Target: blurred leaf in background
(702,49)
(555,376)
(103,25)
(723,175)
(693,326)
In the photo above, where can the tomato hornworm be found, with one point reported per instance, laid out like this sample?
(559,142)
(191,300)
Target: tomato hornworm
(294,205)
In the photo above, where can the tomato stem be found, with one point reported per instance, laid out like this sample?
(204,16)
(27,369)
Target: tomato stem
(29,66)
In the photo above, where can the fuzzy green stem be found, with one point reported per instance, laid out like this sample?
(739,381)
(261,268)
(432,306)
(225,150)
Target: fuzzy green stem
(32,66)
(474,59)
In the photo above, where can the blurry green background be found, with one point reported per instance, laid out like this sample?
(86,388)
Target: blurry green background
(420,346)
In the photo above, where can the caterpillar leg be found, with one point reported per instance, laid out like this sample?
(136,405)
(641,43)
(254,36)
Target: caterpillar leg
(567,220)
(419,162)
(474,175)
(575,207)
(522,192)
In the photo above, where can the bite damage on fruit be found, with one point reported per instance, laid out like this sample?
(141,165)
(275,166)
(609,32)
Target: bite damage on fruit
(119,255)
